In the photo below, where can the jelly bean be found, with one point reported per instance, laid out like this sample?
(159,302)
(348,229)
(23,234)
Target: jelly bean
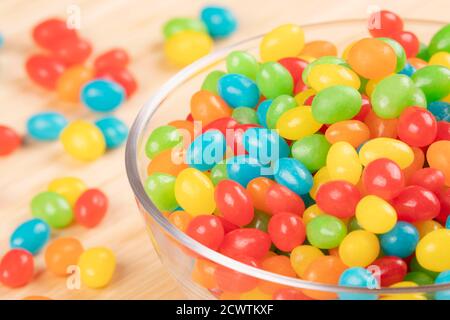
(336,104)
(392,149)
(408,70)
(319,48)
(186,46)
(220,21)
(284,41)
(72,51)
(83,140)
(97,266)
(390,270)
(400,241)
(262,110)
(343,163)
(323,76)
(90,208)
(114,131)
(312,151)
(162,139)
(440,58)
(180,219)
(121,76)
(265,145)
(443,277)
(277,264)
(51,31)
(246,242)
(207,107)
(302,256)
(384,23)
(44,70)
(206,150)
(434,81)
(271,89)
(417,127)
(325,231)
(211,81)
(16,268)
(102,95)
(286,230)
(375,214)
(234,202)
(295,66)
(238,91)
(203,273)
(62,254)
(160,189)
(46,126)
(444,198)
(71,81)
(440,109)
(352,131)
(69,187)
(383,178)
(359,248)
(297,123)
(418,162)
(360,278)
(432,251)
(176,25)
(415,266)
(31,235)
(112,58)
(338,198)
(222,124)
(380,127)
(393,94)
(243,63)
(292,174)
(409,42)
(372,58)
(258,190)
(260,221)
(279,106)
(438,157)
(232,281)
(322,60)
(9,140)
(207,230)
(426,226)
(244,168)
(440,42)
(415,203)
(245,115)
(52,208)
(404,296)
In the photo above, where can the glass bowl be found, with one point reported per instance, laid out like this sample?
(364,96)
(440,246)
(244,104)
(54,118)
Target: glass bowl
(189,262)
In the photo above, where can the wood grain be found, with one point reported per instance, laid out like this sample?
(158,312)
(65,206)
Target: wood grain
(134,25)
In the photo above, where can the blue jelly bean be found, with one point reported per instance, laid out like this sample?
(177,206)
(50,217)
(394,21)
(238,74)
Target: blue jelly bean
(293,174)
(262,112)
(408,70)
(360,278)
(219,21)
(440,109)
(102,95)
(206,150)
(114,130)
(31,235)
(443,277)
(244,168)
(401,241)
(46,126)
(265,145)
(238,90)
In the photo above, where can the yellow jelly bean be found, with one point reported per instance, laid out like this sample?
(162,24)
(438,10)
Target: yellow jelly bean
(440,58)
(404,296)
(185,47)
(322,176)
(376,215)
(297,123)
(323,76)
(343,162)
(194,192)
(83,140)
(70,188)
(427,226)
(302,256)
(311,212)
(359,248)
(285,41)
(301,97)
(255,294)
(433,250)
(97,266)
(389,148)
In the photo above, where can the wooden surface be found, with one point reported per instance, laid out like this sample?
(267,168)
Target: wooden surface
(134,25)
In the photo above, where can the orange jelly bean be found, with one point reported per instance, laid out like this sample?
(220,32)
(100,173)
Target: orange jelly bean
(170,161)
(203,273)
(438,157)
(277,264)
(61,254)
(319,49)
(352,131)
(379,127)
(207,107)
(69,84)
(257,189)
(180,219)
(419,160)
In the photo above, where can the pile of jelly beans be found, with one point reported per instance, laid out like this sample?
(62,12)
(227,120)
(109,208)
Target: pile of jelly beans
(65,200)
(330,169)
(188,39)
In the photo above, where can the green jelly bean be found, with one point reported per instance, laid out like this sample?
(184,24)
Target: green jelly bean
(420,278)
(160,188)
(161,139)
(219,173)
(325,231)
(176,25)
(322,60)
(434,81)
(260,221)
(210,82)
(393,94)
(245,115)
(52,208)
(274,80)
(423,52)
(415,266)
(336,103)
(311,151)
(440,41)
(399,52)
(242,62)
(279,106)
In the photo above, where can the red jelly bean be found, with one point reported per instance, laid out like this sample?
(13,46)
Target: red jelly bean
(295,66)
(51,31)
(16,268)
(443,130)
(417,127)
(121,76)
(114,58)
(207,230)
(383,178)
(444,200)
(234,202)
(45,70)
(91,207)
(249,242)
(287,230)
(391,270)
(72,51)
(9,140)
(222,124)
(384,23)
(233,281)
(415,203)
(281,199)
(429,178)
(338,198)
(409,42)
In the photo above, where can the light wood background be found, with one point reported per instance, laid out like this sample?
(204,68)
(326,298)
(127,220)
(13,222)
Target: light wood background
(136,26)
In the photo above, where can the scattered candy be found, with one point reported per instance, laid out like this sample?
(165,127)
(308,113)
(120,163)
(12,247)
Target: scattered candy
(61,254)
(31,235)
(97,266)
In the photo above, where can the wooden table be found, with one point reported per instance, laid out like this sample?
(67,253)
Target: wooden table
(134,25)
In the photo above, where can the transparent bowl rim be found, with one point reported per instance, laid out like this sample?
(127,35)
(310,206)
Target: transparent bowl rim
(132,169)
